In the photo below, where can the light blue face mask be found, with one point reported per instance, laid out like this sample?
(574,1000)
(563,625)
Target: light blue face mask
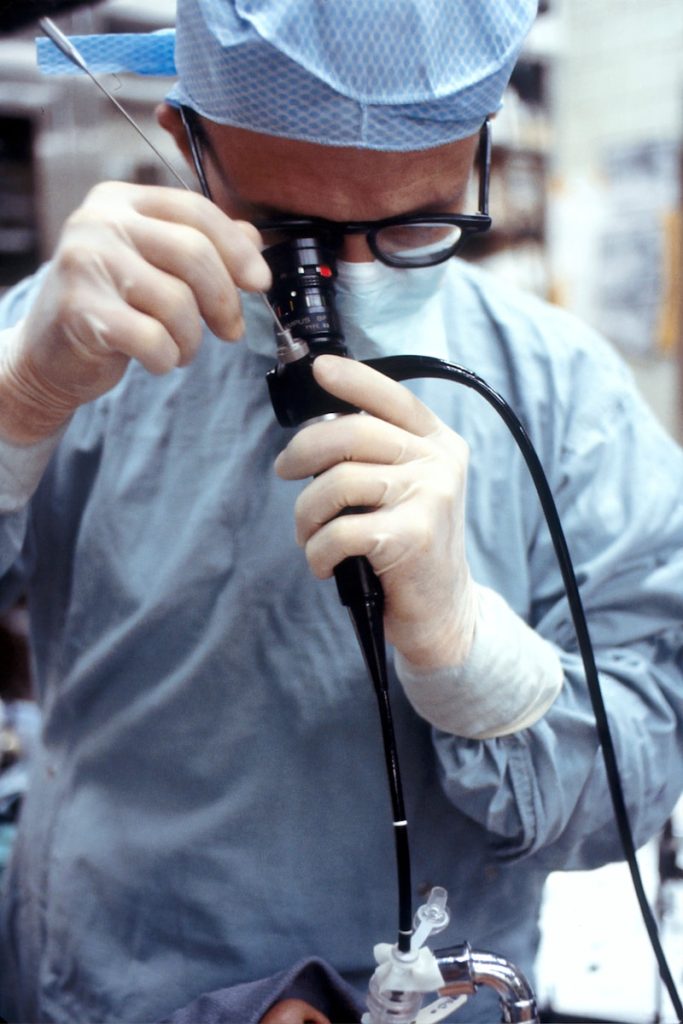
(384,310)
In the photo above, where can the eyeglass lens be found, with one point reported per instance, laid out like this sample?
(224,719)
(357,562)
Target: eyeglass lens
(410,242)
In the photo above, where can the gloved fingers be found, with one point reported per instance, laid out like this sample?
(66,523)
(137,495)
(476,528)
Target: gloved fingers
(420,559)
(169,304)
(387,537)
(411,530)
(121,330)
(191,258)
(237,243)
(361,486)
(335,491)
(348,438)
(371,391)
(210,264)
(127,306)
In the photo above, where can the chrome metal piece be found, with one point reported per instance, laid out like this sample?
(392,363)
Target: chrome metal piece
(289,348)
(464,970)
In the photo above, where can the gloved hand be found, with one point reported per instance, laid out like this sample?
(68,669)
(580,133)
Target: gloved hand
(468,663)
(409,470)
(136,270)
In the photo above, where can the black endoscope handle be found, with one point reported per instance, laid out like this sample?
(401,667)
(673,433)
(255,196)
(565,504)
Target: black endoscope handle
(297,398)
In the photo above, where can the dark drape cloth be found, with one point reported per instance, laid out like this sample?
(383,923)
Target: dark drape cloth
(311,980)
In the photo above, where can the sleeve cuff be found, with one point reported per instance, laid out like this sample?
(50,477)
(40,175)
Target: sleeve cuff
(509,680)
(21,467)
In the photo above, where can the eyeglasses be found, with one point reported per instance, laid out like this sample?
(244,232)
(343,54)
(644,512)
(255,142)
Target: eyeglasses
(412,240)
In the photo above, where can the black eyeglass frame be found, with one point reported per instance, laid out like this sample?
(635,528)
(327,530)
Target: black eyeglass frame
(333,231)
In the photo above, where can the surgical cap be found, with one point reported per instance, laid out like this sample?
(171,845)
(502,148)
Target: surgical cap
(379,74)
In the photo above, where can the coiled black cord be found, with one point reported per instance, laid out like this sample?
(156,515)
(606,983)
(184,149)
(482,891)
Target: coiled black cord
(401,368)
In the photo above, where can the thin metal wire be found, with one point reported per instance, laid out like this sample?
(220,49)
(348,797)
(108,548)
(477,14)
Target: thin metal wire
(186,114)
(72,53)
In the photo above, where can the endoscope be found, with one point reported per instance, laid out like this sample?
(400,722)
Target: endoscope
(303,298)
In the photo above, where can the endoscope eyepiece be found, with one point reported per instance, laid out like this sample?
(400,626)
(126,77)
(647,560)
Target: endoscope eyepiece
(302,294)
(302,298)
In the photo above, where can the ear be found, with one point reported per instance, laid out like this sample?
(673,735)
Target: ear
(169,119)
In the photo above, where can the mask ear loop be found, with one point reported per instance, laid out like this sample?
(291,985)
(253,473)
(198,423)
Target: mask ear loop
(192,131)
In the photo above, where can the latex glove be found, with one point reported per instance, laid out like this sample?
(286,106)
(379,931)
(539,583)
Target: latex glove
(409,470)
(136,270)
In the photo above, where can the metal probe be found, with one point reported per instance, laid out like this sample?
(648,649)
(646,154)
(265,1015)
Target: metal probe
(72,53)
(288,347)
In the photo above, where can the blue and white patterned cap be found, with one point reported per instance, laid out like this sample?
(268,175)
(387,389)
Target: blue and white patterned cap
(378,74)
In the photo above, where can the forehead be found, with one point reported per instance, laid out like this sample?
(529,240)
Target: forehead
(338,183)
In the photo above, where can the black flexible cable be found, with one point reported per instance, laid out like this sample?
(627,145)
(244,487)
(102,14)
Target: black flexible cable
(361,592)
(376,662)
(297,398)
(413,367)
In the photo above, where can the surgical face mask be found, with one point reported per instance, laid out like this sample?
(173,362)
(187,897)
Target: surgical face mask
(383,310)
(386,311)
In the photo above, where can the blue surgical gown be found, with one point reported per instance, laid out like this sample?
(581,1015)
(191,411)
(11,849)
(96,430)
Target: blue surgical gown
(209,801)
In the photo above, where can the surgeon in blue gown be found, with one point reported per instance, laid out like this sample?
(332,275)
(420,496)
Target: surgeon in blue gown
(208,803)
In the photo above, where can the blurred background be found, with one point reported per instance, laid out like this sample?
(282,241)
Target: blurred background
(587,203)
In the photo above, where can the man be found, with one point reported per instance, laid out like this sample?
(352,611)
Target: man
(209,803)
